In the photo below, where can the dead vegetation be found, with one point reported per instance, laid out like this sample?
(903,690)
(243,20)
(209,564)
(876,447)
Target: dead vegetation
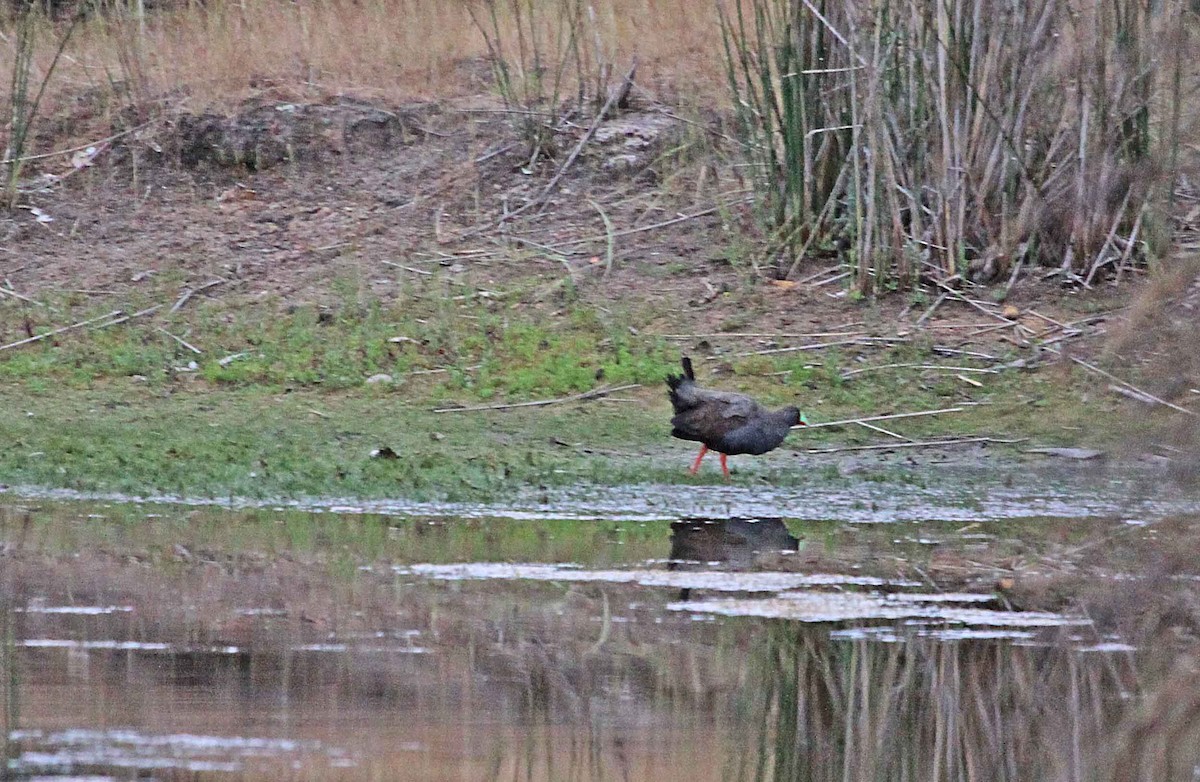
(964,140)
(1160,341)
(966,143)
(216,54)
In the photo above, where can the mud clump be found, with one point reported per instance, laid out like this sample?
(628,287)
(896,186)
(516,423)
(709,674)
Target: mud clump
(260,137)
(629,145)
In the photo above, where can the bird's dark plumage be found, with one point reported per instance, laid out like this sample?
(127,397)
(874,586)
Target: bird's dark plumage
(725,422)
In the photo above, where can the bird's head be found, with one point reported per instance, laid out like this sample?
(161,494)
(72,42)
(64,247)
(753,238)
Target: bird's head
(795,417)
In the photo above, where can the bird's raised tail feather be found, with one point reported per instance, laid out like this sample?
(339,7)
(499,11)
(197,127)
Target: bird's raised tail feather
(674,382)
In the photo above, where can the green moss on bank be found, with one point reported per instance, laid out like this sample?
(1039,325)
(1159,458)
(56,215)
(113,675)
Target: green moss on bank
(278,404)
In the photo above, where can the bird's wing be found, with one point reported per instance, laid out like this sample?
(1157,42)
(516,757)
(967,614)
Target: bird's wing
(729,405)
(713,415)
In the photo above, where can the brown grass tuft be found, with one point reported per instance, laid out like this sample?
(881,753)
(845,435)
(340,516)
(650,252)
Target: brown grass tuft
(1159,344)
(223,51)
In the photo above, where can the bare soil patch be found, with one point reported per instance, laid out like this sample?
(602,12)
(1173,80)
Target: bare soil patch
(284,199)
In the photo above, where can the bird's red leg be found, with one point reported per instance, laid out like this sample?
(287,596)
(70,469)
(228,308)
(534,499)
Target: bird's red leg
(700,458)
(724,466)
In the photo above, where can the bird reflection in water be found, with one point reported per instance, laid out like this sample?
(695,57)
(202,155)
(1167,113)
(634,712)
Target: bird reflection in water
(726,544)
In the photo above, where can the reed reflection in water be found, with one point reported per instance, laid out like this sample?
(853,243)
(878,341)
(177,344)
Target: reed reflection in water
(921,709)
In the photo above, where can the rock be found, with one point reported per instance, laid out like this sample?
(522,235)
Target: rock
(380,378)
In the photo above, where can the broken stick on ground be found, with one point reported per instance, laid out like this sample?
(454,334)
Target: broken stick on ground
(921,444)
(186,296)
(889,417)
(80,324)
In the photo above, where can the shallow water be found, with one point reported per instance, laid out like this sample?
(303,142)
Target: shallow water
(952,492)
(190,642)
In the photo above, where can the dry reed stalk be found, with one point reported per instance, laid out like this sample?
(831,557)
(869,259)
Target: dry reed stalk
(978,135)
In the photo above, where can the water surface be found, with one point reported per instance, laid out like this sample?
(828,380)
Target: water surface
(192,642)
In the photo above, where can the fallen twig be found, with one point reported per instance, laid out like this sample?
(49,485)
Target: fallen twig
(79,148)
(966,300)
(881,430)
(595,392)
(498,151)
(1129,393)
(932,307)
(16,295)
(920,444)
(763,335)
(1141,392)
(863,341)
(653,226)
(124,318)
(947,351)
(834,278)
(962,326)
(988,329)
(181,341)
(412,269)
(1016,272)
(78,325)
(1050,320)
(888,417)
(818,275)
(611,244)
(438,371)
(853,372)
(190,292)
(1081,454)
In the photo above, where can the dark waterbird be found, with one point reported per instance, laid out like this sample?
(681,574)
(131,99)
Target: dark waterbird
(727,423)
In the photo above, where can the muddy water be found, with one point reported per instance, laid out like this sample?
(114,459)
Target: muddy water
(173,642)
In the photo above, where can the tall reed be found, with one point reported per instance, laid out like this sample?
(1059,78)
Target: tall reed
(23,104)
(963,137)
(543,52)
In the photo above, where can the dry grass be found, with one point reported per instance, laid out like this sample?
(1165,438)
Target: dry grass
(219,52)
(1160,342)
